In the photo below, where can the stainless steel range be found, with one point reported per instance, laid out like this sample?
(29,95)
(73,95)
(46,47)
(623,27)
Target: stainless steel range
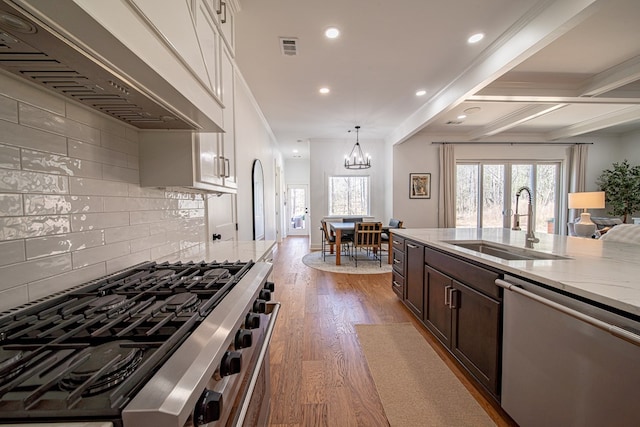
(182,344)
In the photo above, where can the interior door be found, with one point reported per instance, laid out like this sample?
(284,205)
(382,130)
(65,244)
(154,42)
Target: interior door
(297,210)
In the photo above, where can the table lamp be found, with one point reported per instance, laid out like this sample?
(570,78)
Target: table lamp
(586,200)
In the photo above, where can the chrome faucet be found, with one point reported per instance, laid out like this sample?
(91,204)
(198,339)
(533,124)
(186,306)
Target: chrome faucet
(530,237)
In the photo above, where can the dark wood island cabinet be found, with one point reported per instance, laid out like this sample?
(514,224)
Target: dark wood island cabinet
(459,303)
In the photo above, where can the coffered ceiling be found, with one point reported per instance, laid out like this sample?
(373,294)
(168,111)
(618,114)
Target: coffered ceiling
(545,70)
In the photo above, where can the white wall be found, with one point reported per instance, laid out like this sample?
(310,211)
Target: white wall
(419,154)
(328,160)
(254,140)
(297,171)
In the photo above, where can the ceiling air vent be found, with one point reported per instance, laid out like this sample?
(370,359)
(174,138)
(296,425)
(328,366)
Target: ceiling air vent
(289,46)
(454,122)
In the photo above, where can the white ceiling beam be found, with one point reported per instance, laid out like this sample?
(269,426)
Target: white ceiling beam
(514,119)
(613,78)
(626,115)
(540,99)
(544,23)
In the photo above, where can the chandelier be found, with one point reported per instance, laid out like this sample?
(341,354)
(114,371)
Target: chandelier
(357,160)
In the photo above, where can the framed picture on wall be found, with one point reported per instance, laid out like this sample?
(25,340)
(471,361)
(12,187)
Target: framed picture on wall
(419,185)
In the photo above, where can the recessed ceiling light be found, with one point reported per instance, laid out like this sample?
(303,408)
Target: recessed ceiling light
(324,90)
(332,32)
(295,151)
(475,38)
(421,92)
(471,110)
(461,117)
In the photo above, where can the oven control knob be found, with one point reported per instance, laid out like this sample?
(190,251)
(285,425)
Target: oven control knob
(231,363)
(265,294)
(260,306)
(243,339)
(270,286)
(252,321)
(208,409)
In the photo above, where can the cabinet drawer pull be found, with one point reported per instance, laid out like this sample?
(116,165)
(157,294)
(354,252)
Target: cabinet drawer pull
(396,283)
(396,261)
(395,242)
(447,301)
(453,299)
(409,245)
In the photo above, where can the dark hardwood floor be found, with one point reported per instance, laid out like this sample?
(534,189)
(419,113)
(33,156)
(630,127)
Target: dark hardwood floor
(319,375)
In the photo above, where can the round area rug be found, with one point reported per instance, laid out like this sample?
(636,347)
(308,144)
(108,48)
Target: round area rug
(347,265)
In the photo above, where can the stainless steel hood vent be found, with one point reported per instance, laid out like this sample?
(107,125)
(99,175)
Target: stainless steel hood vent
(29,49)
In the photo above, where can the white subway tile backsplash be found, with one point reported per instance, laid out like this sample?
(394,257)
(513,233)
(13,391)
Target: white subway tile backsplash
(106,123)
(32,182)
(15,134)
(114,204)
(123,262)
(55,123)
(71,208)
(61,243)
(119,234)
(29,271)
(8,109)
(9,157)
(22,227)
(102,155)
(39,204)
(99,254)
(116,173)
(137,191)
(119,144)
(95,221)
(13,297)
(53,163)
(11,252)
(21,90)
(10,205)
(45,287)
(97,187)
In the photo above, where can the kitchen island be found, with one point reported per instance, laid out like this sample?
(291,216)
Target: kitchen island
(601,271)
(551,333)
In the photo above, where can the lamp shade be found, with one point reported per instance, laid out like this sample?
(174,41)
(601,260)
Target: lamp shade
(586,200)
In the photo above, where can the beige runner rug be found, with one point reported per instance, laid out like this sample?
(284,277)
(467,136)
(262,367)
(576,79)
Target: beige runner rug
(417,389)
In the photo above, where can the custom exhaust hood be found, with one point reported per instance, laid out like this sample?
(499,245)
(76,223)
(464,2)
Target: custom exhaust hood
(67,46)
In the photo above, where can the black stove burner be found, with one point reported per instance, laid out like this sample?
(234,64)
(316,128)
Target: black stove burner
(216,274)
(109,302)
(102,367)
(181,302)
(9,358)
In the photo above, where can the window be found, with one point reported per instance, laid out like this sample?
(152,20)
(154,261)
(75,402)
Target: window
(485,194)
(348,195)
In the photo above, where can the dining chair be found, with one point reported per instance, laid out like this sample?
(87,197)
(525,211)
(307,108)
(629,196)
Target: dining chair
(329,241)
(367,238)
(393,223)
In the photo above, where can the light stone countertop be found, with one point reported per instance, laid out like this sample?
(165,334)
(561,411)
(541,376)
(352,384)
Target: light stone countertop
(232,251)
(601,271)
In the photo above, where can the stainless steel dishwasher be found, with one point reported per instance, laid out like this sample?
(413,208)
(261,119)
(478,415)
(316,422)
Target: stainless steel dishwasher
(567,362)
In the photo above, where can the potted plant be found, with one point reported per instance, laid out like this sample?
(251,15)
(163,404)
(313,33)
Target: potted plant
(621,185)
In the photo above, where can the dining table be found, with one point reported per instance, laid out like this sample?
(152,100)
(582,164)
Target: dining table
(340,228)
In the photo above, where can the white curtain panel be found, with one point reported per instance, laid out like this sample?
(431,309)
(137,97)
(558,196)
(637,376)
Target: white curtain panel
(577,173)
(447,186)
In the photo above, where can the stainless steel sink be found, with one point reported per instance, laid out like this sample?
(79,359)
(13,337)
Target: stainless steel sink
(506,252)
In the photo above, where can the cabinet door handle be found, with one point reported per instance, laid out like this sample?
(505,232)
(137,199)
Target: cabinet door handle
(409,245)
(453,298)
(219,8)
(447,296)
(396,284)
(227,166)
(395,261)
(223,5)
(395,242)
